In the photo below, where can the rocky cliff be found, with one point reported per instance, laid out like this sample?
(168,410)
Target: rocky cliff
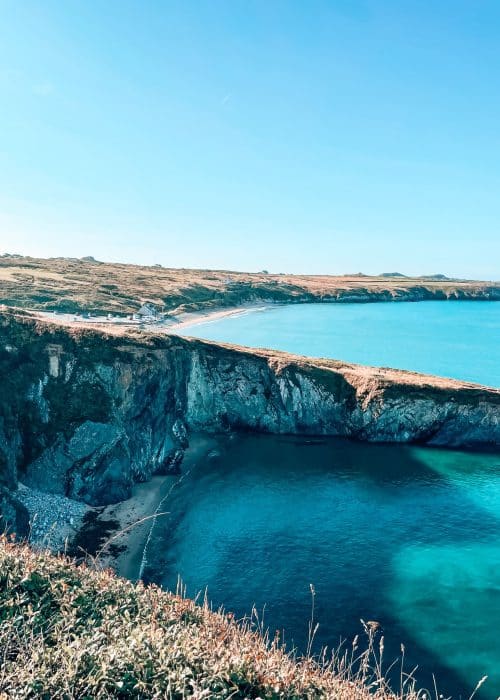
(86,414)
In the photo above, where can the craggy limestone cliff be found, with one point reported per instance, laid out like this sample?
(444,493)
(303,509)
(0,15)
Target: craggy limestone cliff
(86,414)
(282,393)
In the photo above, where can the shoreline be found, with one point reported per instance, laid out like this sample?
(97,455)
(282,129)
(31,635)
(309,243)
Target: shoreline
(195,318)
(173,322)
(148,500)
(168,325)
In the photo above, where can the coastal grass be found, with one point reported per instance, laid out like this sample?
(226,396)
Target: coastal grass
(71,285)
(74,631)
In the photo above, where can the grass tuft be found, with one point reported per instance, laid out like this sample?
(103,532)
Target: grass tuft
(71,631)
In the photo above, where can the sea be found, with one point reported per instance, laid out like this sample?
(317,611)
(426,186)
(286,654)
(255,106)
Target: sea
(334,533)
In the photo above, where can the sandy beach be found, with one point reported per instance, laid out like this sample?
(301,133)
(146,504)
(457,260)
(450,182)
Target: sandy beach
(169,324)
(135,516)
(195,318)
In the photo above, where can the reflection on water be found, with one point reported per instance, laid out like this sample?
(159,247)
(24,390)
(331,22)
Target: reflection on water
(403,535)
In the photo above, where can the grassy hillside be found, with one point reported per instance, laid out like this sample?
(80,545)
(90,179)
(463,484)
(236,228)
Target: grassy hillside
(71,632)
(76,285)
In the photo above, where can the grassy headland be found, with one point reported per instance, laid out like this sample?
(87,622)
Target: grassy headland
(73,285)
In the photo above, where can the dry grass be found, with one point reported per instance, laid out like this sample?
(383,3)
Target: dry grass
(71,631)
(75,285)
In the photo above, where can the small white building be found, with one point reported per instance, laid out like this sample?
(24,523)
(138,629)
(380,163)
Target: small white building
(147,311)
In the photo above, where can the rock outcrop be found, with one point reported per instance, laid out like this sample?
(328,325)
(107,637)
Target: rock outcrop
(280,393)
(13,514)
(86,416)
(85,413)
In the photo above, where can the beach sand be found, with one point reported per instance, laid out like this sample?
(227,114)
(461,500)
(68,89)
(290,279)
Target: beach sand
(170,324)
(136,516)
(195,318)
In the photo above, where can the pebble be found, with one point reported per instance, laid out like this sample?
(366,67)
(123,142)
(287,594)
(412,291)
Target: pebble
(53,518)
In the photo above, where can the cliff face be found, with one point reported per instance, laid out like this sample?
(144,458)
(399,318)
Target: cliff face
(280,393)
(85,417)
(86,414)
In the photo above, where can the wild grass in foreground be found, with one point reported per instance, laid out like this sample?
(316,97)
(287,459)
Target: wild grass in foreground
(73,631)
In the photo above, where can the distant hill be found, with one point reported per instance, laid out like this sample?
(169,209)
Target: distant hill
(85,285)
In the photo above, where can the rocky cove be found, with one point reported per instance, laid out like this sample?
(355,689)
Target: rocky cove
(85,414)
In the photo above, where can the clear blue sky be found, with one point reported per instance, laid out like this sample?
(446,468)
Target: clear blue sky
(313,136)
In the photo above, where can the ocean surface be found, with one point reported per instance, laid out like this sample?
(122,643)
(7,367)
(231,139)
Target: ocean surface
(406,536)
(459,339)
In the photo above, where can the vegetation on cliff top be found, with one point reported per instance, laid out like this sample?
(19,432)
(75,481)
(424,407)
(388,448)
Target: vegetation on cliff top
(74,285)
(69,631)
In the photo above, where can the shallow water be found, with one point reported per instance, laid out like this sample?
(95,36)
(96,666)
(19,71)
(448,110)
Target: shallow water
(459,339)
(407,536)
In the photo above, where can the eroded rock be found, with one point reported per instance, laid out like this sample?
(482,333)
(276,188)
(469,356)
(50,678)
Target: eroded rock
(119,408)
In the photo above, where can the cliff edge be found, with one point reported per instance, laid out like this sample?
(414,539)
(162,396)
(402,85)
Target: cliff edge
(86,414)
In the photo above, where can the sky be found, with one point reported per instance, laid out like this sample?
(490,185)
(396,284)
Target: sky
(318,136)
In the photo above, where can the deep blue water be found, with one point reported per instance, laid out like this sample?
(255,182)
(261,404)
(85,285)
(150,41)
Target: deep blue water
(452,339)
(406,536)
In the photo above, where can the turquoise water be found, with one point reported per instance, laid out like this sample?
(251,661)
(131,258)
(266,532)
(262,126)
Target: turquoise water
(407,536)
(452,339)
